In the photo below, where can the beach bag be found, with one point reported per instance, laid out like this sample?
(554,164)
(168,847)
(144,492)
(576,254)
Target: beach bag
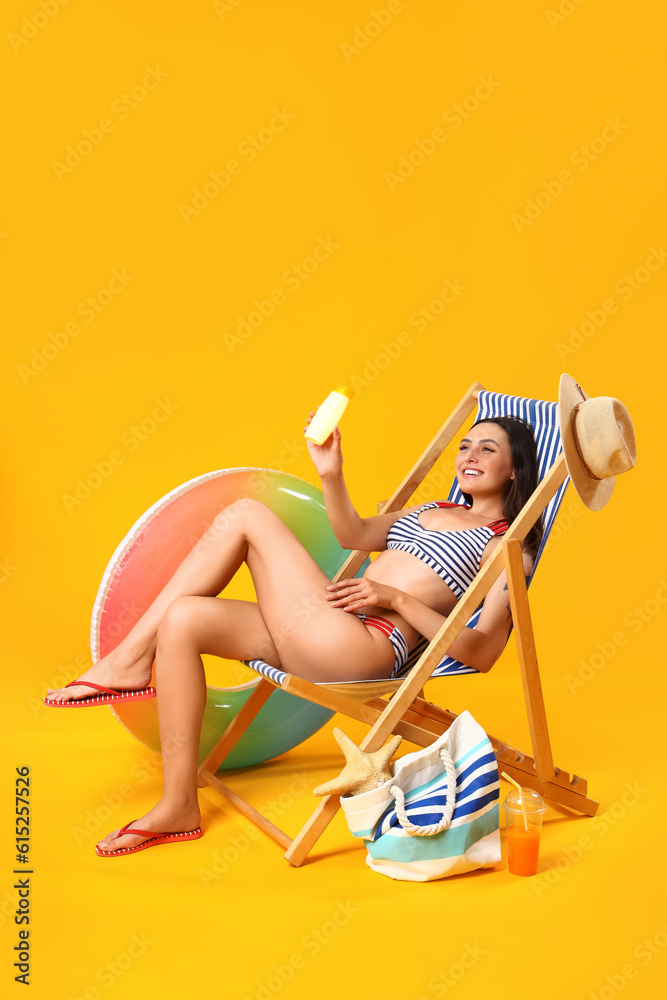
(439,813)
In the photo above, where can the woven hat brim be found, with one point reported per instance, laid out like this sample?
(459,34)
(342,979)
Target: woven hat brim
(595,493)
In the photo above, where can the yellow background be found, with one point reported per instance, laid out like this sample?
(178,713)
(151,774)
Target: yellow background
(557,79)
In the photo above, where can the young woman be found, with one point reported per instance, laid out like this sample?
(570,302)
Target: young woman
(301,622)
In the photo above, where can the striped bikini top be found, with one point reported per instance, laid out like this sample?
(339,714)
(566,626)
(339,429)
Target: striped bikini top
(455,556)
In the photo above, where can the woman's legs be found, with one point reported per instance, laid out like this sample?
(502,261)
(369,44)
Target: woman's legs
(292,625)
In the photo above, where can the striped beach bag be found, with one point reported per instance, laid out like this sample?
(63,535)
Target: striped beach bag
(438,815)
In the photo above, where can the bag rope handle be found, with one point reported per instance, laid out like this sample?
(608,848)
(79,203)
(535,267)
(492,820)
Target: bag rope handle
(428,831)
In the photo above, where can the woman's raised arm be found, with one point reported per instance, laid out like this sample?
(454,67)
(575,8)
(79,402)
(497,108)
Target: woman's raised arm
(352,531)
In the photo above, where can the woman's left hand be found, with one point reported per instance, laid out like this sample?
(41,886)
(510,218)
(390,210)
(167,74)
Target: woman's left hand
(356,593)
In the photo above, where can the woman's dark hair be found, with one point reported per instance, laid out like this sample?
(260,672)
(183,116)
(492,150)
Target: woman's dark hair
(526,474)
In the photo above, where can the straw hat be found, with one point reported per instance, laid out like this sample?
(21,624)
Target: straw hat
(598,441)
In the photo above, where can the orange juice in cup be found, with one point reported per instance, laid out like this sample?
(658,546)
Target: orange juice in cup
(523,821)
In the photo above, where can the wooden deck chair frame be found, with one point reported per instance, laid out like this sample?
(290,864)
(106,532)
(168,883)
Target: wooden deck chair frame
(407,713)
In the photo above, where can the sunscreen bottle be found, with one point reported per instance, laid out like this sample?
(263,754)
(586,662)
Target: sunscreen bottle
(328,414)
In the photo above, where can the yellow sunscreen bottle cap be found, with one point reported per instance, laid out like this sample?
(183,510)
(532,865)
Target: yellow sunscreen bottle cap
(344,391)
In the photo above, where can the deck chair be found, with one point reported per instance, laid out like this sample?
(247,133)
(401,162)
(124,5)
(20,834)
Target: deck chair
(406,712)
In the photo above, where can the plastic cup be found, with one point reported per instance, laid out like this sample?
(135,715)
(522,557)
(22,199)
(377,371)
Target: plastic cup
(524,827)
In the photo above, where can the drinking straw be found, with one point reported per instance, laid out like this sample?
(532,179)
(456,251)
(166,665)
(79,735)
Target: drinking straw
(523,808)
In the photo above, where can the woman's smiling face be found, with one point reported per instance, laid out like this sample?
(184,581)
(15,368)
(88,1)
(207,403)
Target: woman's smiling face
(484,462)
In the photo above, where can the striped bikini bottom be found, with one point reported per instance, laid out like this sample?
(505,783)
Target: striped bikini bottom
(395,636)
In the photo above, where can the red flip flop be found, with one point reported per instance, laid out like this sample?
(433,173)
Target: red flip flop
(108,696)
(155,838)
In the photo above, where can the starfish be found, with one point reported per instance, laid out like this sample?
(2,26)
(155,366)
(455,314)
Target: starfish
(362,771)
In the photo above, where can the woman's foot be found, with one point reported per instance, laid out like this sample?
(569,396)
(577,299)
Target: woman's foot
(117,670)
(160,819)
